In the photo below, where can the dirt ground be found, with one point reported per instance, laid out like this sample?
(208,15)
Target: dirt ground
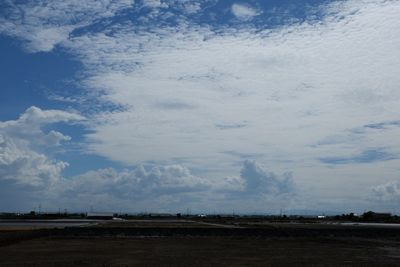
(200,251)
(199,243)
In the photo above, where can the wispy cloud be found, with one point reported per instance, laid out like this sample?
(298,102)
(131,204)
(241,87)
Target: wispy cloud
(240,75)
(43,24)
(367,156)
(244,12)
(231,126)
(382,125)
(155,4)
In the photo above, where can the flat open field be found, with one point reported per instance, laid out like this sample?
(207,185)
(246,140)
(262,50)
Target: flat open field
(193,243)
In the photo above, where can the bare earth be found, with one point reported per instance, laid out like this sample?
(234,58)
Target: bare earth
(213,246)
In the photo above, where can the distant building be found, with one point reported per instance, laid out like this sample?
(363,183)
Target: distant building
(100,216)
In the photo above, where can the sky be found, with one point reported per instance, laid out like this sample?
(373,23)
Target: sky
(204,105)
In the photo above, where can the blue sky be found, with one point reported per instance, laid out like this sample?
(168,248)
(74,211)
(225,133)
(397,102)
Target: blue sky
(210,105)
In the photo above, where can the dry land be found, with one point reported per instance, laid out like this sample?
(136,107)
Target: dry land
(201,243)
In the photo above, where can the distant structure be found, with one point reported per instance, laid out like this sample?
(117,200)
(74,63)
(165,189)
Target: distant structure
(375,216)
(100,216)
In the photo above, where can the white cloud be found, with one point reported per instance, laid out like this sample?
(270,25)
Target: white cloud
(257,180)
(301,83)
(35,177)
(385,196)
(132,190)
(42,24)
(139,183)
(244,12)
(192,8)
(155,4)
(28,128)
(387,192)
(292,87)
(172,188)
(21,160)
(23,166)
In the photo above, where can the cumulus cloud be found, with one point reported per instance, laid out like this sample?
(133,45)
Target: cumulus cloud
(21,158)
(27,170)
(256,189)
(133,190)
(35,176)
(255,183)
(23,166)
(28,128)
(174,184)
(258,180)
(139,183)
(244,12)
(387,192)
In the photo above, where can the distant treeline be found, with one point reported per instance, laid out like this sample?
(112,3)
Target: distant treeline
(45,216)
(369,216)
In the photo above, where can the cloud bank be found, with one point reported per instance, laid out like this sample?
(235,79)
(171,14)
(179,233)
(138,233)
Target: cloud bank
(27,170)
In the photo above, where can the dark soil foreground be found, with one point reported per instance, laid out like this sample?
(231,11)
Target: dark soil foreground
(212,246)
(199,251)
